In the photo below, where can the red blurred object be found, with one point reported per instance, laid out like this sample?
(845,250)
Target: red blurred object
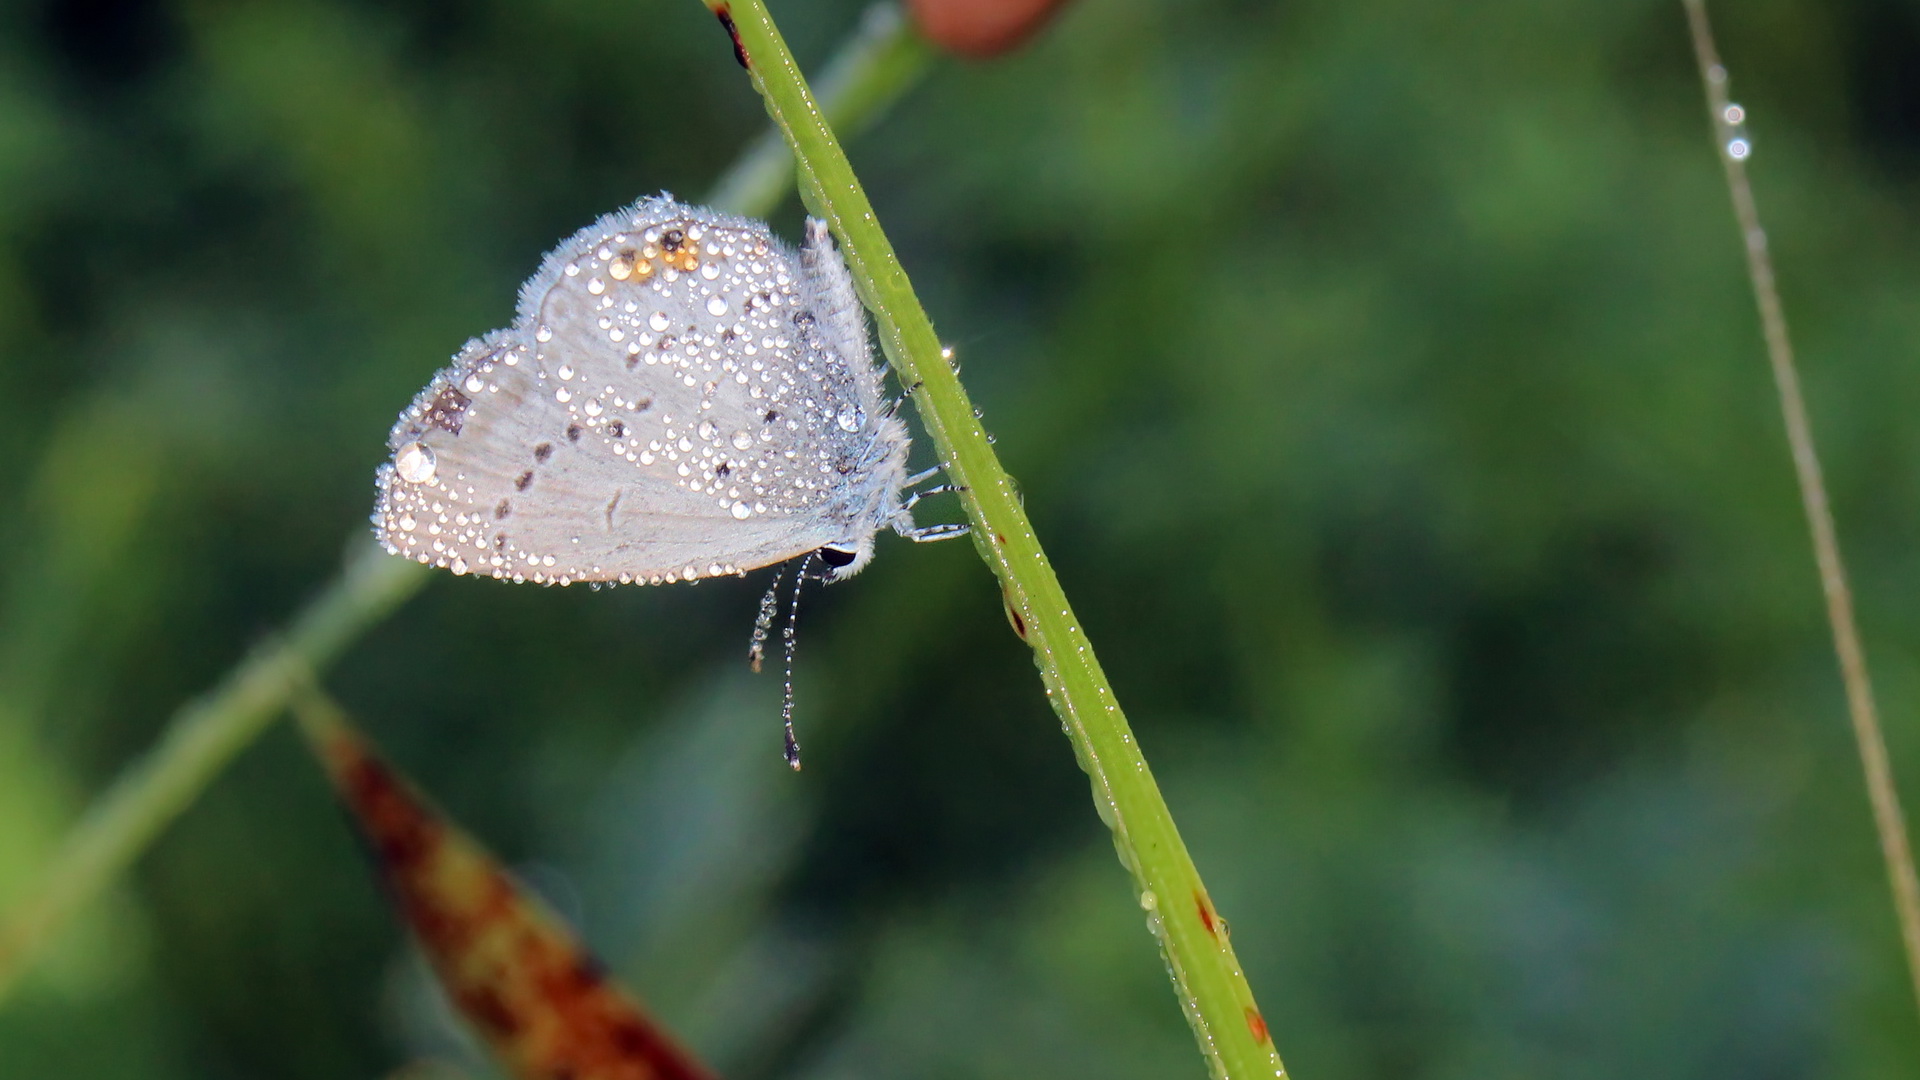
(981,28)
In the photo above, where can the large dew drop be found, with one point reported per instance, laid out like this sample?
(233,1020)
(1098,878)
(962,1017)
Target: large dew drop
(414,462)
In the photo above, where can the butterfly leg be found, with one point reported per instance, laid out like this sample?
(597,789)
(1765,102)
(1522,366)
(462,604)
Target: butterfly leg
(903,522)
(923,476)
(914,498)
(932,533)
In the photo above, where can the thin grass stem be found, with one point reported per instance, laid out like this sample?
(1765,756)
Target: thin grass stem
(1734,149)
(198,743)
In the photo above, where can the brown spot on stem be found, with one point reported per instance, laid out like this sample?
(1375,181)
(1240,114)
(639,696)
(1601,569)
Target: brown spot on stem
(1206,913)
(725,15)
(1014,618)
(1257,1024)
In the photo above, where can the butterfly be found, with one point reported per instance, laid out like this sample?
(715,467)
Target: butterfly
(680,396)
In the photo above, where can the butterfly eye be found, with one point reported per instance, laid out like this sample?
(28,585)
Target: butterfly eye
(836,557)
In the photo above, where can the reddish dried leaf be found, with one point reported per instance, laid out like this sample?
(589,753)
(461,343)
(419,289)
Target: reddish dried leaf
(541,1001)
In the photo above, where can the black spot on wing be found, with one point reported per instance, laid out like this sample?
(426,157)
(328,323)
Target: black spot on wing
(448,410)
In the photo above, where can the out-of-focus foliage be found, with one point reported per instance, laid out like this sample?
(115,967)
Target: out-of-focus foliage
(1382,378)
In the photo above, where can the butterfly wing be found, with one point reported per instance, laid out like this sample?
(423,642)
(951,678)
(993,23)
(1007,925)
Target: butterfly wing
(659,412)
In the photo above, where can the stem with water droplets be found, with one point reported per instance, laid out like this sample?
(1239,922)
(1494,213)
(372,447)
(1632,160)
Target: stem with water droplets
(1207,979)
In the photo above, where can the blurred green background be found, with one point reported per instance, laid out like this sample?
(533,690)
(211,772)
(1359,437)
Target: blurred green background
(1382,377)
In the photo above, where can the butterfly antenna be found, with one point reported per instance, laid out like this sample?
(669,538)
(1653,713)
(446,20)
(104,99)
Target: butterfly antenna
(763,623)
(787,640)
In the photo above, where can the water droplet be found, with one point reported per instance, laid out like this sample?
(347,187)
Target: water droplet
(717,306)
(1733,129)
(849,418)
(563,395)
(592,407)
(596,286)
(414,463)
(658,320)
(543,334)
(565,372)
(475,384)
(707,431)
(742,440)
(1148,901)
(742,511)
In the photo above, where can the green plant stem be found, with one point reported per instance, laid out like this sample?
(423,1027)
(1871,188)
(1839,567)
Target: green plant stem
(1207,978)
(1884,795)
(880,63)
(874,68)
(198,743)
